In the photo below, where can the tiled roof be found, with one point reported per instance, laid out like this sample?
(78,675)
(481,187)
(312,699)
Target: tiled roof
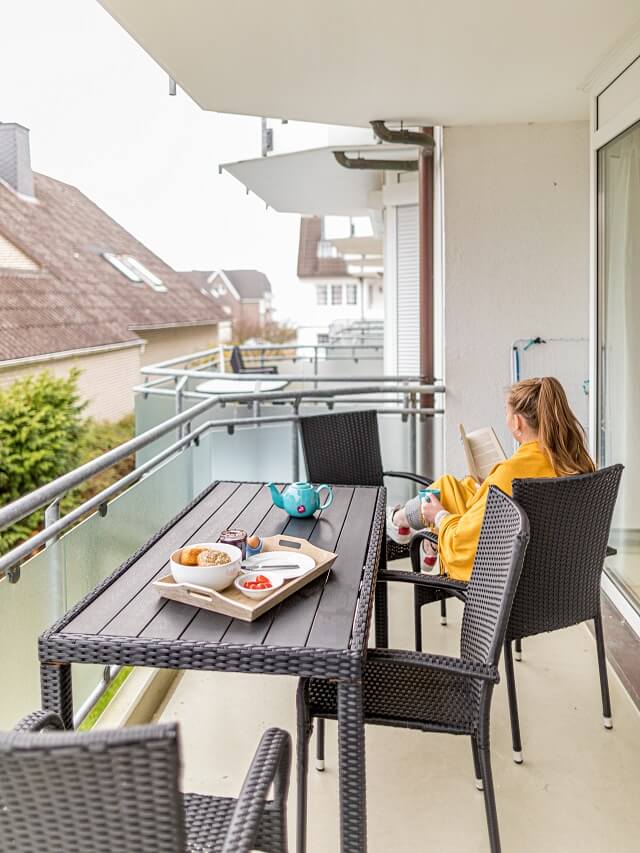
(77,299)
(225,303)
(309,264)
(249,284)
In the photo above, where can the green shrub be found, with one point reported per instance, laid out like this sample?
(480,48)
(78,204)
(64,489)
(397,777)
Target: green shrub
(41,426)
(97,438)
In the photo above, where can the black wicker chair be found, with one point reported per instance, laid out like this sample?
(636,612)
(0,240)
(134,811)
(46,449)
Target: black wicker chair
(238,365)
(570,521)
(106,791)
(343,448)
(434,693)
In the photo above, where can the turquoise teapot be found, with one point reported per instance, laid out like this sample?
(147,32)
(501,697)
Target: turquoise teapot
(300,499)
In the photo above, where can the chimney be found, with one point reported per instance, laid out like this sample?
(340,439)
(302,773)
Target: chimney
(15,158)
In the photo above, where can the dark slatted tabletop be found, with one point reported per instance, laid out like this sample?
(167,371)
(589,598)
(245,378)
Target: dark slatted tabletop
(320,631)
(124,615)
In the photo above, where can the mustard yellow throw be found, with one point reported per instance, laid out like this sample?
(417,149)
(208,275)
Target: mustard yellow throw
(465,500)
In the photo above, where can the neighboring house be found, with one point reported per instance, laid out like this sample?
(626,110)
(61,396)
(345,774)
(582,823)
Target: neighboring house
(243,296)
(339,283)
(77,290)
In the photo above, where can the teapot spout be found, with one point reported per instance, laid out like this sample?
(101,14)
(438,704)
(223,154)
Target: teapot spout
(276,497)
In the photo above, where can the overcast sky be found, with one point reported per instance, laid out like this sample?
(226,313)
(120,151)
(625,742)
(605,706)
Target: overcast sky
(101,119)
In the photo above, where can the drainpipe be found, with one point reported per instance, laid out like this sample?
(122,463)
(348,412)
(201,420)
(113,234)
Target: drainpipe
(425,238)
(425,141)
(370,163)
(422,138)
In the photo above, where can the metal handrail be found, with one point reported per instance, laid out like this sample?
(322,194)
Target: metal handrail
(52,531)
(224,348)
(10,562)
(24,506)
(156,370)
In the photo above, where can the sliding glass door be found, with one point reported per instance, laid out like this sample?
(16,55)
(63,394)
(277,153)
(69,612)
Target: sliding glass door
(619,343)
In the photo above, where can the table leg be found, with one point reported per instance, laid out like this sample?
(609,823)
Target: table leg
(381,616)
(353,784)
(55,687)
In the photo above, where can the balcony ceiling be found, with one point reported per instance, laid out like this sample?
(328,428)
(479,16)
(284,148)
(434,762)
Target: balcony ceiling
(348,62)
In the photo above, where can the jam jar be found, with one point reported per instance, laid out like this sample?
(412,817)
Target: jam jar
(235,537)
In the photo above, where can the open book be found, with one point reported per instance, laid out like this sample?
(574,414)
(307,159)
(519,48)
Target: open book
(482,450)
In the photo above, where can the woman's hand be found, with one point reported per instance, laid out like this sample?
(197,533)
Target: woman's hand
(430,507)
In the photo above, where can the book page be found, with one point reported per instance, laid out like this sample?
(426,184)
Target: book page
(482,450)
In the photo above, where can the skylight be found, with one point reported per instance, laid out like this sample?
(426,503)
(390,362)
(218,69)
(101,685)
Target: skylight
(133,270)
(121,266)
(151,278)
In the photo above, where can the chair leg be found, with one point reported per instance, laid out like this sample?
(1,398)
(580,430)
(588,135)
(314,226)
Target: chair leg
(417,616)
(477,769)
(604,679)
(518,650)
(320,727)
(489,799)
(443,611)
(513,703)
(304,727)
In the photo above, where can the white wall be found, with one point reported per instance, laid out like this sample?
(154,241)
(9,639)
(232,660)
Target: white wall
(106,379)
(516,208)
(162,344)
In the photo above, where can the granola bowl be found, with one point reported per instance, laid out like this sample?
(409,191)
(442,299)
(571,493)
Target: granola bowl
(214,565)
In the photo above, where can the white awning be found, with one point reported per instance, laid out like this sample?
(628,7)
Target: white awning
(312,182)
(370,247)
(347,63)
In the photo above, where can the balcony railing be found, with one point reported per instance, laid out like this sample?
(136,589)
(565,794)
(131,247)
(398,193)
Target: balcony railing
(185,439)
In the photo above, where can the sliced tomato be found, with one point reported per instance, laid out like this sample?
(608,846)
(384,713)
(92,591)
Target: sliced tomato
(262,579)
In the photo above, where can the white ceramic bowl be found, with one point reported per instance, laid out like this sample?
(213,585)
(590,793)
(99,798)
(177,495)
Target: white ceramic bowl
(257,594)
(212,577)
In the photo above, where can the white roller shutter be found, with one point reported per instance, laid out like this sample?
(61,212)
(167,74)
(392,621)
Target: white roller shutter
(408,293)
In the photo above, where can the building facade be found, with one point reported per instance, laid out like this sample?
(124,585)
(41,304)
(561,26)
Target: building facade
(343,286)
(77,290)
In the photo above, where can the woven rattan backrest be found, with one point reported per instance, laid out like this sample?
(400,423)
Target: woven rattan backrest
(94,792)
(237,362)
(570,521)
(343,448)
(496,569)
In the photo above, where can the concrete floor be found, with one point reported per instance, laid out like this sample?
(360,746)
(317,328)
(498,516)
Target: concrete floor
(578,790)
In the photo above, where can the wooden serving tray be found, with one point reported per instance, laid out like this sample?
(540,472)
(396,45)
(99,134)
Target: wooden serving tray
(231,602)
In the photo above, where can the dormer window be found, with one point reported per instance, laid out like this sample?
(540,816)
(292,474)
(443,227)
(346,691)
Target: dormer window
(134,271)
(13,258)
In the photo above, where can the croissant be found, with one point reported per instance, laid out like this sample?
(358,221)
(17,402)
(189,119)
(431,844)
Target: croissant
(189,556)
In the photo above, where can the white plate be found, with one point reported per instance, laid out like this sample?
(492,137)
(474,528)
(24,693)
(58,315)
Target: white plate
(279,558)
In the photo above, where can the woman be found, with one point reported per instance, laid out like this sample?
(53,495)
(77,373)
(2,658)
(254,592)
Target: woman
(552,444)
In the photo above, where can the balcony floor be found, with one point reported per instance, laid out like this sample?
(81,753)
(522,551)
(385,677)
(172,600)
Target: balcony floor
(577,790)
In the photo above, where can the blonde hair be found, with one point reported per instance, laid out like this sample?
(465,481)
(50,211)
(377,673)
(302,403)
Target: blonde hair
(544,406)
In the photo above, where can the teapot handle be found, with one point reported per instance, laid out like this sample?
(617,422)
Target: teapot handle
(329,499)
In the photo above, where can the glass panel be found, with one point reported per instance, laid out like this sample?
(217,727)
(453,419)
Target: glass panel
(95,548)
(254,453)
(27,608)
(619,263)
(58,577)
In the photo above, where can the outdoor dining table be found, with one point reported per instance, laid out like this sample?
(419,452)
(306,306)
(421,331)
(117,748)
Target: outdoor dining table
(320,631)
